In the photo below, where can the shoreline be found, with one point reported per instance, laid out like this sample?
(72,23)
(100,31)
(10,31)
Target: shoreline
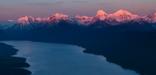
(90,50)
(20,44)
(130,50)
(11,64)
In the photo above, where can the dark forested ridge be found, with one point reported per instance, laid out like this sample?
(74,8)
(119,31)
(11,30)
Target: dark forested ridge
(131,45)
(11,65)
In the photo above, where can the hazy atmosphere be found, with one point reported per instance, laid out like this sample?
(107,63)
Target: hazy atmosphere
(12,9)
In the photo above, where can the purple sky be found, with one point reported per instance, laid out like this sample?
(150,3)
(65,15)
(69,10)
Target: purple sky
(12,9)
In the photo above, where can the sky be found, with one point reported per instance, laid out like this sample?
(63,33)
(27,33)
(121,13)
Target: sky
(12,9)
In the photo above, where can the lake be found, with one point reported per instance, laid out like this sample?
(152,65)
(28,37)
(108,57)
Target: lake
(64,59)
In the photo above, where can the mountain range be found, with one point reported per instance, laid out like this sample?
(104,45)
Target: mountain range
(116,18)
(122,37)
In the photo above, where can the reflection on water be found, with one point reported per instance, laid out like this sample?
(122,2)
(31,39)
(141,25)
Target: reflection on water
(61,59)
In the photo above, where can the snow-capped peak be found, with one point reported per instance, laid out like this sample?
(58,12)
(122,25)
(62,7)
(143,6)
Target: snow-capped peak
(120,16)
(25,20)
(150,18)
(154,18)
(123,15)
(84,20)
(101,15)
(38,19)
(57,17)
(122,12)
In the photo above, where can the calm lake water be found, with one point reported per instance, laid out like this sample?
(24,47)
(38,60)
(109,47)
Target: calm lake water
(62,59)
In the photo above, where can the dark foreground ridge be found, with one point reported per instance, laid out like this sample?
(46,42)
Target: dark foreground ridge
(11,65)
(131,45)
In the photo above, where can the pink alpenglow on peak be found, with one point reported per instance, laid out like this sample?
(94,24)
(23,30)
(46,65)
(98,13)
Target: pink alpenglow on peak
(38,19)
(150,18)
(25,20)
(57,17)
(154,18)
(85,20)
(101,15)
(120,16)
(123,15)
